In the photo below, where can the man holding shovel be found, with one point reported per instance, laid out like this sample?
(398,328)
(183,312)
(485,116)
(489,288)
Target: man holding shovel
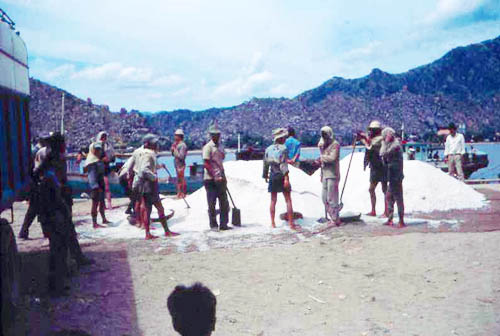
(329,150)
(214,180)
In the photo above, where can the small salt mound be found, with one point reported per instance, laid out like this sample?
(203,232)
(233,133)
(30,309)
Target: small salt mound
(425,188)
(249,191)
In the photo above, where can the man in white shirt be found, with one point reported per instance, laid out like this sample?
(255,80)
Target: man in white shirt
(453,151)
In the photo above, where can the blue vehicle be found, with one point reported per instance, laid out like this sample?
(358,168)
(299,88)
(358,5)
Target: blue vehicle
(15,158)
(15,144)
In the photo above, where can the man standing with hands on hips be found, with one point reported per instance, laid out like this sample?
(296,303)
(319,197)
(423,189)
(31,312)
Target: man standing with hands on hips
(214,179)
(179,151)
(453,151)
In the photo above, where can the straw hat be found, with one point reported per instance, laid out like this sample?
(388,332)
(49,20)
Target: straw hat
(213,129)
(179,132)
(375,124)
(150,138)
(280,133)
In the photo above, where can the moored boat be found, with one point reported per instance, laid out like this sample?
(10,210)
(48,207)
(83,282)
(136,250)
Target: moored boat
(433,154)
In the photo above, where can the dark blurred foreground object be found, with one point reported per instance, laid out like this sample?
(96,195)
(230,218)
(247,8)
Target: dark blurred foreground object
(9,278)
(192,310)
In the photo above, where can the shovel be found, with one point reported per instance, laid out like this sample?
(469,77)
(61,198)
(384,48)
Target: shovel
(236,214)
(341,205)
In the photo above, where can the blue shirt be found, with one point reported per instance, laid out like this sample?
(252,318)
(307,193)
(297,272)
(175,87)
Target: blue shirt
(293,147)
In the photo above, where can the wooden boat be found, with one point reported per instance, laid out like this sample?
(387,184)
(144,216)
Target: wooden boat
(472,160)
(79,184)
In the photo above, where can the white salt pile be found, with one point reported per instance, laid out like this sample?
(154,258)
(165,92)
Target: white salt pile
(425,189)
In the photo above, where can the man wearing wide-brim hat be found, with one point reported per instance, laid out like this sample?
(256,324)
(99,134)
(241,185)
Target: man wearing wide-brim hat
(214,179)
(453,150)
(275,173)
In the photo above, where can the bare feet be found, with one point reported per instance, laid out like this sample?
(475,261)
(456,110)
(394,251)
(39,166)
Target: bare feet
(149,236)
(401,224)
(273,225)
(372,213)
(171,234)
(389,223)
(295,227)
(384,215)
(105,221)
(98,226)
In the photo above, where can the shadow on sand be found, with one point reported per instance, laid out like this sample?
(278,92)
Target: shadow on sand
(101,300)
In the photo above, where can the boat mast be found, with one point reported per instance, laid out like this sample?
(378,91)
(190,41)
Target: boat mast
(62,114)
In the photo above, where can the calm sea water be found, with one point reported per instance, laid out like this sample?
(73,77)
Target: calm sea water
(492,171)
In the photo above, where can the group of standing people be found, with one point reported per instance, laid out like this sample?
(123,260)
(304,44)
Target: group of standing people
(51,200)
(384,155)
(139,178)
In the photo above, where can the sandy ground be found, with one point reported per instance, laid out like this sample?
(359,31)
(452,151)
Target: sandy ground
(354,280)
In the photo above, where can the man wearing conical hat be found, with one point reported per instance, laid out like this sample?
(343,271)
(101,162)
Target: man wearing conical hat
(214,179)
(276,175)
(179,151)
(329,150)
(373,143)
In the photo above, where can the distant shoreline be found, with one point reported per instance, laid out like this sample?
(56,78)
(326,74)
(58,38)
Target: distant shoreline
(234,150)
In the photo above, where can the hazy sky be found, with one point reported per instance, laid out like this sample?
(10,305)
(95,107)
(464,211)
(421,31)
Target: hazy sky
(171,54)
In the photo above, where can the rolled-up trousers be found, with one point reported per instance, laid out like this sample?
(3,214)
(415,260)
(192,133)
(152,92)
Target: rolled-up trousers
(330,195)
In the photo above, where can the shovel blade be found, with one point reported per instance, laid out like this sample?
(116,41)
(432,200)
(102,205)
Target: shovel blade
(236,217)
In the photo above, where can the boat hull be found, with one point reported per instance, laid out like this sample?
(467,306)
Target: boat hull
(79,185)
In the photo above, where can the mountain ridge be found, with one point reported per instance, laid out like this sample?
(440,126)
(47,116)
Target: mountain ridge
(462,86)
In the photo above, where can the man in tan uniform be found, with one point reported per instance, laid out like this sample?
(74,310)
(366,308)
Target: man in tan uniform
(214,179)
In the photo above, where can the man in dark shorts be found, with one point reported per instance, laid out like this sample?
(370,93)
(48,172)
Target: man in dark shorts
(150,189)
(392,156)
(373,142)
(95,168)
(275,161)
